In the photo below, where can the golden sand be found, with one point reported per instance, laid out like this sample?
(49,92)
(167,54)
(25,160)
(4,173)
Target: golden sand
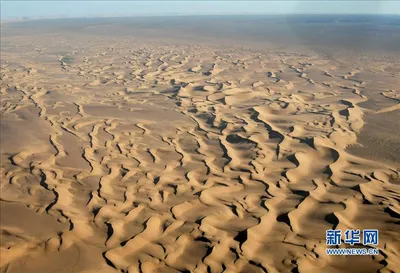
(119,156)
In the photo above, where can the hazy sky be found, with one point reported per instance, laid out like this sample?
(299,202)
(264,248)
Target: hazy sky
(18,8)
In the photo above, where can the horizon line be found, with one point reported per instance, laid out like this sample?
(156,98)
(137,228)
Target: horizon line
(30,18)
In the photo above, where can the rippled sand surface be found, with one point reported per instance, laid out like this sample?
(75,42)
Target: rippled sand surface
(125,154)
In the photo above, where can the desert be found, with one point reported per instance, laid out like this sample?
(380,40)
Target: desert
(198,144)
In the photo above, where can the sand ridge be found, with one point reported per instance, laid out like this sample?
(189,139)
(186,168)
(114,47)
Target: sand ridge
(154,158)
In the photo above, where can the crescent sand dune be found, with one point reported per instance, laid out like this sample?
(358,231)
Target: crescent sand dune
(124,153)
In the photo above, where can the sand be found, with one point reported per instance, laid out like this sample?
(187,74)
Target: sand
(121,154)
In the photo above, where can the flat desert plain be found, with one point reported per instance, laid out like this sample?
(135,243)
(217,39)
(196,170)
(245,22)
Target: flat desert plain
(198,144)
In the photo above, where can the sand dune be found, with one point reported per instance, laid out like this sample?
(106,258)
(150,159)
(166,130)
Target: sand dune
(131,157)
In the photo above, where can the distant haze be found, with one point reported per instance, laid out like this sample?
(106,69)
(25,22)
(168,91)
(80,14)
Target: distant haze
(60,9)
(327,34)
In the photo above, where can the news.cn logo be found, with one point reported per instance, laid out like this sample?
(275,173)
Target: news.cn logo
(369,237)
